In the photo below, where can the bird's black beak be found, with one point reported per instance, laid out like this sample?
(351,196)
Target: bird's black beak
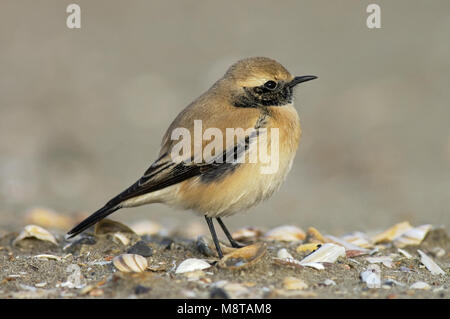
(300,79)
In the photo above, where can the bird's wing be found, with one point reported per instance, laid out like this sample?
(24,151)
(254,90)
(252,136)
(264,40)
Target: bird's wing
(165,172)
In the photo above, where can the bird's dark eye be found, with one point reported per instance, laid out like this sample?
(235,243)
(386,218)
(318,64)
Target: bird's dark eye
(270,85)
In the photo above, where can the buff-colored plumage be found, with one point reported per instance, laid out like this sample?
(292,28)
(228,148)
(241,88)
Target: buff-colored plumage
(218,191)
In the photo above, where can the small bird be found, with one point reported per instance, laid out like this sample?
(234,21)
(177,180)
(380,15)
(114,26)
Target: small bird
(255,94)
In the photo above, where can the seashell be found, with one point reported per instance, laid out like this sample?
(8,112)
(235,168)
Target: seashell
(413,236)
(40,285)
(385,260)
(48,218)
(34,231)
(345,244)
(292,283)
(314,265)
(121,238)
(48,257)
(207,247)
(247,234)
(285,233)
(328,253)
(106,226)
(355,253)
(438,252)
(420,285)
(284,254)
(314,236)
(288,262)
(358,239)
(146,227)
(243,257)
(391,233)
(329,282)
(404,253)
(192,264)
(371,276)
(130,263)
(430,264)
(308,247)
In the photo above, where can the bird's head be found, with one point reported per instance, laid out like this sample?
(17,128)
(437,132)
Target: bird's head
(259,82)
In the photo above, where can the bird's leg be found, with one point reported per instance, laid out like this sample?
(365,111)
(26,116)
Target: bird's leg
(214,236)
(233,243)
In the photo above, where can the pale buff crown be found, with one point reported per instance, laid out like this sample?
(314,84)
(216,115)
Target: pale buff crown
(257,71)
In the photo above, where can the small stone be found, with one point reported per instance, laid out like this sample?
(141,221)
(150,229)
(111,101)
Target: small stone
(139,290)
(141,248)
(218,293)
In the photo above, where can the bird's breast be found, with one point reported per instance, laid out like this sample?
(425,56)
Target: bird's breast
(248,183)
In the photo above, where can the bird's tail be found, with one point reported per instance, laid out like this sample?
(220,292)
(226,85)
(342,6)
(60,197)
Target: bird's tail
(91,220)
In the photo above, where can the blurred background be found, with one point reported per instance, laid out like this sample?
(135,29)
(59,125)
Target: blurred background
(83,111)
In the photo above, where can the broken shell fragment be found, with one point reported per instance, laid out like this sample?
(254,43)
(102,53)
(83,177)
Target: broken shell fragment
(106,226)
(420,285)
(243,257)
(130,263)
(385,260)
(404,253)
(34,231)
(121,238)
(285,233)
(327,253)
(347,245)
(247,234)
(413,236)
(292,283)
(314,236)
(308,247)
(371,277)
(358,239)
(430,264)
(192,264)
(392,233)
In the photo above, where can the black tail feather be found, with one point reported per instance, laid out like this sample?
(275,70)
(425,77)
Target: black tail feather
(91,220)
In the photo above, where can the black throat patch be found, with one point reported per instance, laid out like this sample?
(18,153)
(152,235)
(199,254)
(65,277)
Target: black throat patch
(259,96)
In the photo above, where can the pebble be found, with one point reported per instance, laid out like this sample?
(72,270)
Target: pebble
(140,248)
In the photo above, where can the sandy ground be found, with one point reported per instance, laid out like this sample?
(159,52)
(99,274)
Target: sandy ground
(84,269)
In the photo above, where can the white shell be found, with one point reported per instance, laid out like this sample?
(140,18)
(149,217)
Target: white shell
(293,283)
(345,244)
(284,254)
(420,285)
(130,263)
(247,234)
(192,264)
(121,238)
(34,231)
(285,233)
(371,277)
(404,253)
(359,239)
(413,236)
(430,264)
(328,253)
(47,256)
(385,260)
